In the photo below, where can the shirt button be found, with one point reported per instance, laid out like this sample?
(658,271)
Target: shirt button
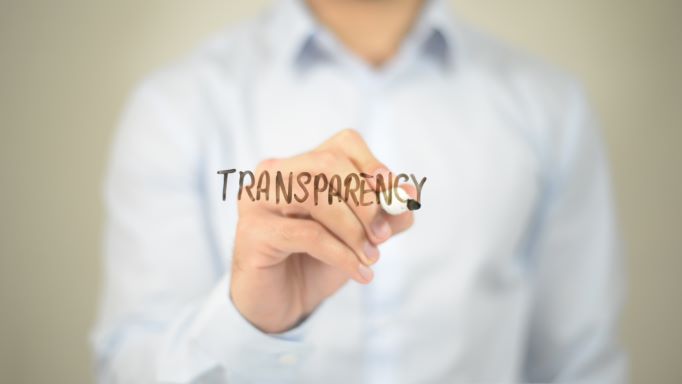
(288,359)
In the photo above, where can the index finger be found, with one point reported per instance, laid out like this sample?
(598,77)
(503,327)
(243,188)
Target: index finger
(351,144)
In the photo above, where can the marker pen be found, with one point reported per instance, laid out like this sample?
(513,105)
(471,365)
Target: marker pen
(397,206)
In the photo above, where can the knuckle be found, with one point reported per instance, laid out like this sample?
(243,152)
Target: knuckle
(325,159)
(299,209)
(301,232)
(312,232)
(348,259)
(352,227)
(368,214)
(350,135)
(286,232)
(341,254)
(267,164)
(357,235)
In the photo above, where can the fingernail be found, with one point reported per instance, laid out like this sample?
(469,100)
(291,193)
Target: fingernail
(381,228)
(371,252)
(365,272)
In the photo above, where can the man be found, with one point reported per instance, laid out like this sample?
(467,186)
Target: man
(508,273)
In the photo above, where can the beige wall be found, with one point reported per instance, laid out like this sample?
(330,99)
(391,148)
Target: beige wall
(65,68)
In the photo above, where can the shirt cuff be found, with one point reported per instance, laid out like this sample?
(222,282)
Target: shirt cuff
(242,349)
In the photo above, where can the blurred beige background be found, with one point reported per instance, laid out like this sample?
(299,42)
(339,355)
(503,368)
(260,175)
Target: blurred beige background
(66,68)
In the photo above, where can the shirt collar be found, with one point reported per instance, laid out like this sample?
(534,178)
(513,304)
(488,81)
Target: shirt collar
(294,34)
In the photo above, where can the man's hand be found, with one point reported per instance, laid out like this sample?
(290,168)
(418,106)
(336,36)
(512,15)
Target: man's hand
(288,258)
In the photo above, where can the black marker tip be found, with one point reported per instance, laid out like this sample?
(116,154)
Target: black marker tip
(413,205)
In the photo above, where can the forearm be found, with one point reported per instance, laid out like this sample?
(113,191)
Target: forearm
(207,338)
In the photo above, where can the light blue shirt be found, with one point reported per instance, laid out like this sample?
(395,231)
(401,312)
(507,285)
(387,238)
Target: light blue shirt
(511,272)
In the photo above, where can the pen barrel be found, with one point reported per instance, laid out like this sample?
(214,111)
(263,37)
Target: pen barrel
(398,202)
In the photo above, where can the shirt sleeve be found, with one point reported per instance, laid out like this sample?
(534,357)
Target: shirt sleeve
(576,257)
(165,314)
